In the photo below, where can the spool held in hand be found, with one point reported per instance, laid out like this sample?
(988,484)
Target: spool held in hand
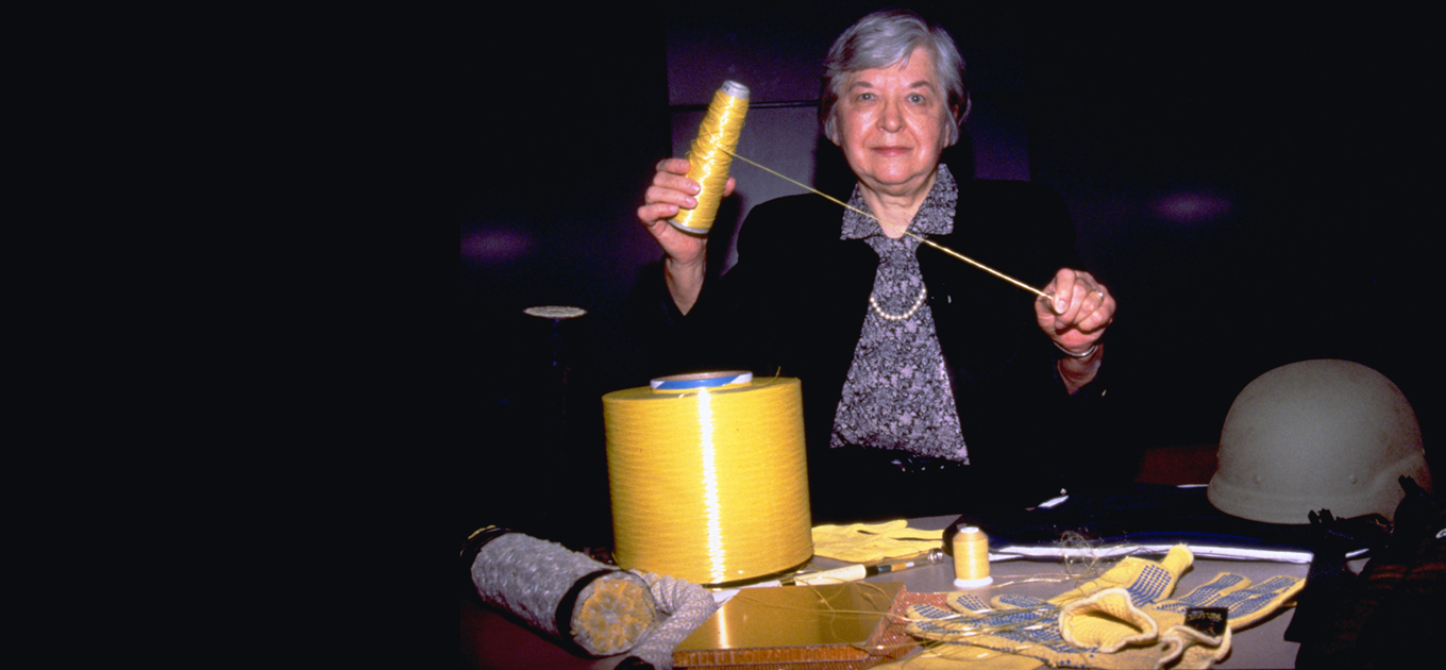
(711,155)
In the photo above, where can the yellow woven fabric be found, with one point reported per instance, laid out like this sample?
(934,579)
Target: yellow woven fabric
(872,542)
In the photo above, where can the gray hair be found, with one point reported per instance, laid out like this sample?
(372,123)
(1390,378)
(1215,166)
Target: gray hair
(886,38)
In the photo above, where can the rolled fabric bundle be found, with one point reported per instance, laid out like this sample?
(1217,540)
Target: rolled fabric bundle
(569,596)
(687,605)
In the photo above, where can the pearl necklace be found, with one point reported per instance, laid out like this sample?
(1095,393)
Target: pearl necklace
(924,291)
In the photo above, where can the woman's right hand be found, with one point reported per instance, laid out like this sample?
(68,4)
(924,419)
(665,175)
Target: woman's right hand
(684,266)
(671,191)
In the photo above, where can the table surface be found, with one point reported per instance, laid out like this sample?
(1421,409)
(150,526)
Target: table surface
(490,640)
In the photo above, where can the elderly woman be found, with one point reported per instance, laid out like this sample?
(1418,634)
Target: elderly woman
(929,385)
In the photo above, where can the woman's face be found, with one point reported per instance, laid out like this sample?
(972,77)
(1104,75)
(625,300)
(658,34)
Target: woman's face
(893,123)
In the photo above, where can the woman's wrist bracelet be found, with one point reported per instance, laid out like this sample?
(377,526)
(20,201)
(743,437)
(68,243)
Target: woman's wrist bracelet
(1087,352)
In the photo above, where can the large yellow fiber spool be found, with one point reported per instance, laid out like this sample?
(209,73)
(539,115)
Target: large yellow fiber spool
(709,477)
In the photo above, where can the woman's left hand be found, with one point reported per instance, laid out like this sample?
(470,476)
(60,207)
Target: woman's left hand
(1082,309)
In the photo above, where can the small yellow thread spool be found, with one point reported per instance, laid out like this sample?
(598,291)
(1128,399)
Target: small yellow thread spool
(711,154)
(971,558)
(709,484)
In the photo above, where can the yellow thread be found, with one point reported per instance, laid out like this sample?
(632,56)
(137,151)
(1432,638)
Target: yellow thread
(971,558)
(711,154)
(709,485)
(921,238)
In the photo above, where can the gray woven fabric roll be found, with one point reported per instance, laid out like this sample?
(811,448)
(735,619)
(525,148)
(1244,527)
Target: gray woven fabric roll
(687,605)
(607,610)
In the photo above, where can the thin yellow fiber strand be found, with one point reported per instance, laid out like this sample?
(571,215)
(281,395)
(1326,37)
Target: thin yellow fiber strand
(921,238)
(871,592)
(709,486)
(709,159)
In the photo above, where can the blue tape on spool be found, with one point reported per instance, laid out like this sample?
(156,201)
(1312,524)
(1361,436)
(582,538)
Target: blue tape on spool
(703,380)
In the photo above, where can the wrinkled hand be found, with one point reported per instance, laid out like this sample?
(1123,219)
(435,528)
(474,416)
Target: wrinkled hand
(671,191)
(1082,309)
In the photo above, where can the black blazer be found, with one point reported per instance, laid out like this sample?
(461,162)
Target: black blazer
(795,302)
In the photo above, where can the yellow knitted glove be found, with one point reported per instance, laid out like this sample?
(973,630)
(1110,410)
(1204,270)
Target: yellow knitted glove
(1115,633)
(1109,621)
(1033,628)
(1113,627)
(872,542)
(1245,603)
(970,657)
(962,657)
(1147,581)
(1030,626)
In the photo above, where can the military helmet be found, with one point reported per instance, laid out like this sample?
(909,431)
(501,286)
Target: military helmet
(1319,434)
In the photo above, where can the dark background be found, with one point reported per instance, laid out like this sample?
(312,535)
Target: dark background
(1256,187)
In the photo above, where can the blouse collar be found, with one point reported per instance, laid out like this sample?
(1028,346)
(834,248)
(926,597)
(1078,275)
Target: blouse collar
(935,215)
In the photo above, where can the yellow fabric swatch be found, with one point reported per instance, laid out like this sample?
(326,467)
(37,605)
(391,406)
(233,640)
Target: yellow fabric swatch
(872,542)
